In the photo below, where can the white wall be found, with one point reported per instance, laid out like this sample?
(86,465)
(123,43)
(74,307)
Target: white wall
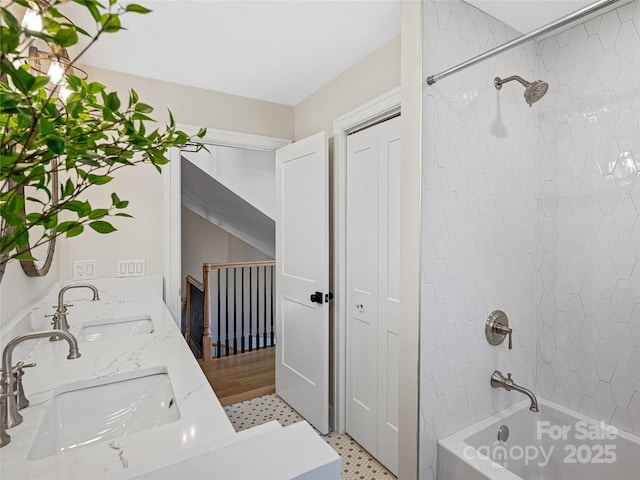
(478,224)
(17,291)
(204,242)
(375,75)
(250,174)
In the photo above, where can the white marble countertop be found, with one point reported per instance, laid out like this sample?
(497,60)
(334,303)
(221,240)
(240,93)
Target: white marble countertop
(202,423)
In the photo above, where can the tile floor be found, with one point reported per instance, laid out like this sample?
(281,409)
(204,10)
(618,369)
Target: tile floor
(357,464)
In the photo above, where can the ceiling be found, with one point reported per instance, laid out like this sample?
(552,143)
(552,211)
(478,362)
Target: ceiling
(279,51)
(276,50)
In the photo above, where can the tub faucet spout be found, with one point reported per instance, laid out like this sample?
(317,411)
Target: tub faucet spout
(498,380)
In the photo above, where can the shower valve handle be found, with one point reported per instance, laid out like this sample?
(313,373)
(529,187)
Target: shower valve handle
(502,330)
(505,331)
(497,328)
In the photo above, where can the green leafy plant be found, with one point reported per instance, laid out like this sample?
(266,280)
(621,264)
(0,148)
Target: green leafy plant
(61,149)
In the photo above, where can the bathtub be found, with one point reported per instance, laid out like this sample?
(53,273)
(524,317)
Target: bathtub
(554,444)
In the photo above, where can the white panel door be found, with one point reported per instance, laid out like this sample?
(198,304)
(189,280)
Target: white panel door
(362,288)
(373,293)
(388,292)
(302,268)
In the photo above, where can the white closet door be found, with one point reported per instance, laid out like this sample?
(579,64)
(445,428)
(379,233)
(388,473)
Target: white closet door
(362,288)
(373,294)
(388,292)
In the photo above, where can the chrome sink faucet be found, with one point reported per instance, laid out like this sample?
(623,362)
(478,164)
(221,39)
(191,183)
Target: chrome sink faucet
(9,393)
(498,380)
(60,317)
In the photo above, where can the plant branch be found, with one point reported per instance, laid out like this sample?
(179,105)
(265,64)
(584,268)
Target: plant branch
(87,141)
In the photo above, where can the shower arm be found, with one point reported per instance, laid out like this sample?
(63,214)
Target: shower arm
(498,82)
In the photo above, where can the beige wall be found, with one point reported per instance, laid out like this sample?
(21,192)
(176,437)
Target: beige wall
(199,107)
(410,238)
(375,75)
(139,237)
(143,237)
(204,242)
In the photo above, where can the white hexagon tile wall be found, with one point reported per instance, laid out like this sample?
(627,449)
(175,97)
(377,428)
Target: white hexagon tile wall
(533,211)
(588,278)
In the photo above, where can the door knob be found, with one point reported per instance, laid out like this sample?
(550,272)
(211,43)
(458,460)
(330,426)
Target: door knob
(317,298)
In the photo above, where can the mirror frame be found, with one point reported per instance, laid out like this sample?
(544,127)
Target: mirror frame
(35,268)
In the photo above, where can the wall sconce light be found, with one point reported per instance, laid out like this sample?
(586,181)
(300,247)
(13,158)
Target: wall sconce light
(32,20)
(55,65)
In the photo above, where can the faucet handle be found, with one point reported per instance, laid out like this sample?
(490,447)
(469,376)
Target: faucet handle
(62,308)
(18,373)
(497,328)
(501,329)
(22,365)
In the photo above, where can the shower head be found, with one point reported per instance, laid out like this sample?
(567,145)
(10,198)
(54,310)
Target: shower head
(533,91)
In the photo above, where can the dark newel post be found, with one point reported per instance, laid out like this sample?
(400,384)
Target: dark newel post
(272,289)
(242,314)
(235,308)
(219,329)
(257,308)
(226,313)
(250,309)
(264,294)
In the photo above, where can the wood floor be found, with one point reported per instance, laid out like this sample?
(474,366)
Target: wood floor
(242,377)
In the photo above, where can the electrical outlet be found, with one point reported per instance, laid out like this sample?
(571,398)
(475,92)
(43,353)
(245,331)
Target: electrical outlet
(85,269)
(131,268)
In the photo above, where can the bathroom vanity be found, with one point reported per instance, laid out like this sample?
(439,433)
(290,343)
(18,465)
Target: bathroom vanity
(135,404)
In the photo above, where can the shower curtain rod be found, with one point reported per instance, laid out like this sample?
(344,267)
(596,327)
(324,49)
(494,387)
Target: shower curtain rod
(583,12)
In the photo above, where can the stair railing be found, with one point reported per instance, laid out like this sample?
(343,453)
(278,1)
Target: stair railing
(239,307)
(193,315)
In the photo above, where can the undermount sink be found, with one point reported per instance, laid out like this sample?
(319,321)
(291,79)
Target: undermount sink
(112,328)
(97,410)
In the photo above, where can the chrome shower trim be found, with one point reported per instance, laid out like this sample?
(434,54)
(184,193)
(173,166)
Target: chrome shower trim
(533,91)
(498,82)
(561,22)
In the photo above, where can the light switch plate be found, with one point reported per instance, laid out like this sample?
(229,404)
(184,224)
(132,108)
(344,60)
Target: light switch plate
(131,268)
